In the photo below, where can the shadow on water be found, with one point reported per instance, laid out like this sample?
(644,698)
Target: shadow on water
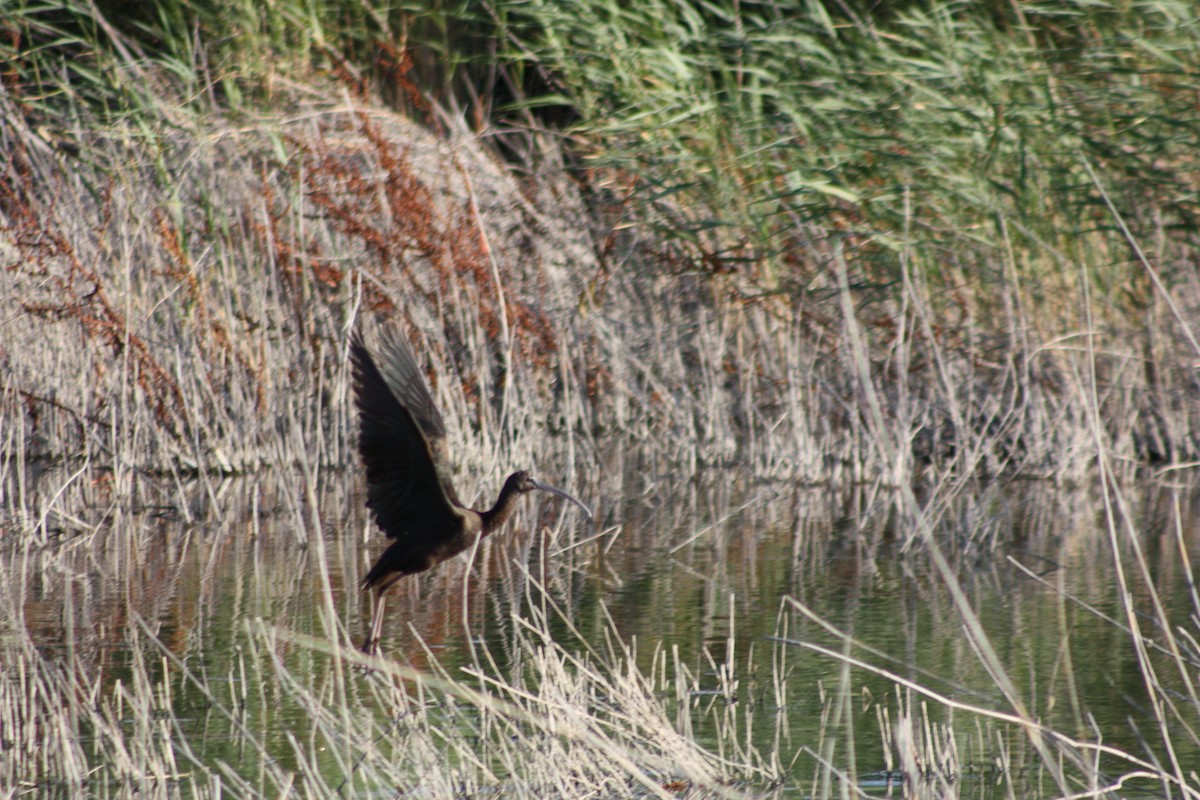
(715,589)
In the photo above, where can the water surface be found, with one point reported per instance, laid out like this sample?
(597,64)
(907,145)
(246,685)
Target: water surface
(705,579)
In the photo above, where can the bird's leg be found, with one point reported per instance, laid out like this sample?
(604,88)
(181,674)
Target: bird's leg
(371,645)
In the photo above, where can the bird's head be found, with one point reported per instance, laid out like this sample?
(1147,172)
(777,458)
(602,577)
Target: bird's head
(522,483)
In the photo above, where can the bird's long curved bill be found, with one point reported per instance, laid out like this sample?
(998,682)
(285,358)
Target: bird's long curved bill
(545,487)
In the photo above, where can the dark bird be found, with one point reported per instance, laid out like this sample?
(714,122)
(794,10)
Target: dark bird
(402,441)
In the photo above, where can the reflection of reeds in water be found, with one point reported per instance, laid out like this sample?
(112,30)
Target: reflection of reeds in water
(198,655)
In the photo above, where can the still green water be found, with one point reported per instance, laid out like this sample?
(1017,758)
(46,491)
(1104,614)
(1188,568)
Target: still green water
(713,574)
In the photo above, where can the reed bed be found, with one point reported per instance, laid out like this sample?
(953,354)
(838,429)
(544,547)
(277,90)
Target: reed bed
(214,264)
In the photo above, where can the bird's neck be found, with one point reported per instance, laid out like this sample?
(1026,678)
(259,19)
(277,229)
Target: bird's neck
(497,515)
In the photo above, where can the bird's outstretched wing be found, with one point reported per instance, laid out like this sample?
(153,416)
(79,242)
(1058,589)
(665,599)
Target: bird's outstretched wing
(402,443)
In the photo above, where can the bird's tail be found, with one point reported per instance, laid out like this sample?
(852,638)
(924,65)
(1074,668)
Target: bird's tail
(396,562)
(374,576)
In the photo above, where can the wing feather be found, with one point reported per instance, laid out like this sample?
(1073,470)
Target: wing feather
(402,444)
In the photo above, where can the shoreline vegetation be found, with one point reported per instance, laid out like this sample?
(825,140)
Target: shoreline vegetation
(917,253)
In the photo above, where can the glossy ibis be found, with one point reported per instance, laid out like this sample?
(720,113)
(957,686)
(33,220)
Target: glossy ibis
(402,441)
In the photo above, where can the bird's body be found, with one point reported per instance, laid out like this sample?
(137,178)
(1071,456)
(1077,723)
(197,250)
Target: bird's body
(402,442)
